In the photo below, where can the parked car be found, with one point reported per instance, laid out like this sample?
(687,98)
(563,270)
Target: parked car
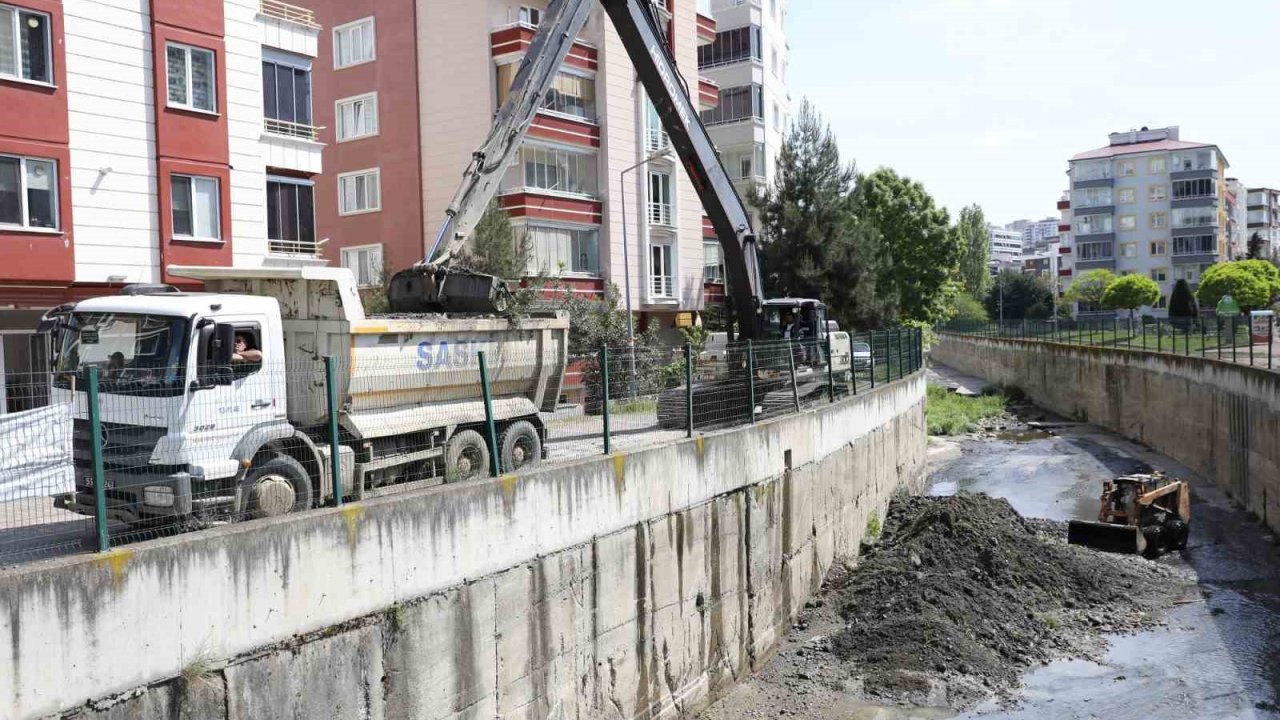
(861,356)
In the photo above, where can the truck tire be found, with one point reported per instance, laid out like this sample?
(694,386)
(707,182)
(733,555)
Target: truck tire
(276,487)
(466,457)
(520,446)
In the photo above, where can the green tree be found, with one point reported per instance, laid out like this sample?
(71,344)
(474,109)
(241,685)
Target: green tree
(1130,293)
(920,255)
(1182,305)
(1021,294)
(971,227)
(812,242)
(965,309)
(494,248)
(1252,283)
(1087,290)
(1255,247)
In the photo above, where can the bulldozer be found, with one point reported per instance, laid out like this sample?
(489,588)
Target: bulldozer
(1145,513)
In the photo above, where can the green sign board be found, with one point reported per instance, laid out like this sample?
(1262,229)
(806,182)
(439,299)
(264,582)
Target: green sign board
(1228,306)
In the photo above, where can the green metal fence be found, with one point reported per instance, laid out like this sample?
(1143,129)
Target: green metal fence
(1238,339)
(127,451)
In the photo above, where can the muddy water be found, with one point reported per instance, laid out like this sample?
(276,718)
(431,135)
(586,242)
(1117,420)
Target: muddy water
(1217,655)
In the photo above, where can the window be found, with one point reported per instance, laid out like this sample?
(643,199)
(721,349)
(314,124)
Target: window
(1162,303)
(291,217)
(1159,247)
(365,262)
(24,45)
(712,262)
(191,78)
(286,94)
(359,192)
(1195,245)
(744,162)
(1201,187)
(1158,220)
(1128,222)
(555,250)
(1195,216)
(1126,196)
(731,46)
(1093,170)
(1127,168)
(1092,197)
(554,170)
(1254,217)
(357,117)
(660,209)
(196,208)
(777,117)
(1094,251)
(28,192)
(1156,166)
(353,43)
(736,103)
(661,278)
(1128,250)
(526,15)
(1160,274)
(1190,273)
(1156,193)
(1092,224)
(655,138)
(572,95)
(773,62)
(1193,160)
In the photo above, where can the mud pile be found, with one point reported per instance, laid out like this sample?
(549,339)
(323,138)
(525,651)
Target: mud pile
(961,594)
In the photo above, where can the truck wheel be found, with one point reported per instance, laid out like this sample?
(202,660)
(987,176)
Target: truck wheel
(466,457)
(277,487)
(521,446)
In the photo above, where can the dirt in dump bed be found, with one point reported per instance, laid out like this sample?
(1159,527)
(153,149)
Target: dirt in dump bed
(961,594)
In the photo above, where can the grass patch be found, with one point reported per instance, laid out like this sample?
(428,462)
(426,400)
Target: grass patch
(947,413)
(872,531)
(639,405)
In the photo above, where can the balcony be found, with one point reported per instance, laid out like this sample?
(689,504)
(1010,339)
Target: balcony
(662,286)
(708,94)
(1064,204)
(655,140)
(292,146)
(289,27)
(706,26)
(660,214)
(514,39)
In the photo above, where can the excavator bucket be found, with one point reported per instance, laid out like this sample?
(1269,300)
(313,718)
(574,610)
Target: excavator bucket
(1109,537)
(447,290)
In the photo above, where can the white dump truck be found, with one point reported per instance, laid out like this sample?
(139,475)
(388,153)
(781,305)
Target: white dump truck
(215,405)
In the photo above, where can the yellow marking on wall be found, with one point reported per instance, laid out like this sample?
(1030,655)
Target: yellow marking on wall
(352,513)
(363,329)
(116,560)
(620,473)
(509,488)
(700,443)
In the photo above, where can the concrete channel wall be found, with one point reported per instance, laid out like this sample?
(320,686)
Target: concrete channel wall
(1220,419)
(630,586)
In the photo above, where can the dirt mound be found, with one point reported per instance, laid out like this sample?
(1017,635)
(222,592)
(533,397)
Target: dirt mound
(962,593)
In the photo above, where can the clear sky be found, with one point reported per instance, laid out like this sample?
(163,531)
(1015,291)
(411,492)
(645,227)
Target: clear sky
(985,100)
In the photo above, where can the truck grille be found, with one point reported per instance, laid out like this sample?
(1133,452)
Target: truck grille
(125,446)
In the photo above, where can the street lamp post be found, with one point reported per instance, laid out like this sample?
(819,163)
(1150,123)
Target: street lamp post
(665,152)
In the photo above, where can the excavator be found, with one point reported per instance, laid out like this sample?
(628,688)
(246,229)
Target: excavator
(438,283)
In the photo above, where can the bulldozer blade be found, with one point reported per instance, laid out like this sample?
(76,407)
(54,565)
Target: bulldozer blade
(1108,537)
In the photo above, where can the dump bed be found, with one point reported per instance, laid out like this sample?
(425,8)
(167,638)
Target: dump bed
(399,373)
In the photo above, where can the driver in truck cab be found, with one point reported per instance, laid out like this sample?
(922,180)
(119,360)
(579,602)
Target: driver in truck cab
(244,350)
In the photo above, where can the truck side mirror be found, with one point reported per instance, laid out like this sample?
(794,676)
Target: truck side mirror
(224,346)
(204,368)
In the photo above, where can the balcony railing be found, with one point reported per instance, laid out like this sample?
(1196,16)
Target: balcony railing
(289,13)
(292,247)
(662,286)
(297,131)
(660,213)
(655,140)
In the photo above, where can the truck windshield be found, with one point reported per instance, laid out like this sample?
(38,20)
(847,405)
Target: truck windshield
(135,354)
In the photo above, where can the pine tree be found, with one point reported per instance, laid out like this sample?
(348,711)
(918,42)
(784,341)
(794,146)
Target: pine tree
(812,242)
(494,248)
(1255,248)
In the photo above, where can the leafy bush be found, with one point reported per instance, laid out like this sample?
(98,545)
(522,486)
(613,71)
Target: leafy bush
(1130,293)
(965,308)
(1252,283)
(947,413)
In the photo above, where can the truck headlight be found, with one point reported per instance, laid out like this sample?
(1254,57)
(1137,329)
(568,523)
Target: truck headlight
(158,496)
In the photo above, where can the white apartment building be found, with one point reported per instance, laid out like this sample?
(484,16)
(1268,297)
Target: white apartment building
(1006,245)
(747,63)
(1037,235)
(1262,218)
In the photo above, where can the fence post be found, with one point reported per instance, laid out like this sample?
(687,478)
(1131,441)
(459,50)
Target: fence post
(1200,321)
(1159,336)
(1271,338)
(1115,332)
(494,465)
(604,393)
(831,373)
(1218,327)
(871,340)
(688,387)
(791,363)
(1249,334)
(335,457)
(1234,332)
(751,380)
(99,475)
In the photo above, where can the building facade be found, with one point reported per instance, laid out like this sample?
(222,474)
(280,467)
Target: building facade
(144,135)
(1006,245)
(1037,235)
(409,89)
(1150,203)
(746,66)
(1262,219)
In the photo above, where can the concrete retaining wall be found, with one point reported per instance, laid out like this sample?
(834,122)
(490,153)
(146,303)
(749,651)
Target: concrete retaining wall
(628,586)
(1220,419)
